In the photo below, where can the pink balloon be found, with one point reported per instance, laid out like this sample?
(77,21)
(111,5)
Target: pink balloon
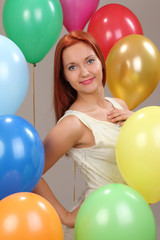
(76,13)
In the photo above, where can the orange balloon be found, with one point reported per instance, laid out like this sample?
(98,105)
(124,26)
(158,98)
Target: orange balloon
(28,216)
(133,69)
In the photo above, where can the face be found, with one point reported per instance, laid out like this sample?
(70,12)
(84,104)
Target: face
(82,68)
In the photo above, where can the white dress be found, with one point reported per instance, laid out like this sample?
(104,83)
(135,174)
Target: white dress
(97,164)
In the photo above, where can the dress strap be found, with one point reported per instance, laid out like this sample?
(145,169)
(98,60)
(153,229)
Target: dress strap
(81,116)
(114,102)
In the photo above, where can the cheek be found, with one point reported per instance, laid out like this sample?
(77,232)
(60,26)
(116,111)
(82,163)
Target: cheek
(69,77)
(98,67)
(99,71)
(66,76)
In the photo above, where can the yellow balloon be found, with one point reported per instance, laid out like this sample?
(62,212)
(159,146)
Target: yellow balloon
(133,69)
(138,152)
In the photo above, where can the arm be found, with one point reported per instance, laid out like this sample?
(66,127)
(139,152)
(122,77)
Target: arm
(120,115)
(60,139)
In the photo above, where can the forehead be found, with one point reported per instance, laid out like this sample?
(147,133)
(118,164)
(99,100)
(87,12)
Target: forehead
(76,52)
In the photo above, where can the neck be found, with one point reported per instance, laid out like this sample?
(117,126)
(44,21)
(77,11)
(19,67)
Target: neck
(91,100)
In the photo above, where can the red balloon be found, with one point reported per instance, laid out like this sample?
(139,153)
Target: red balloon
(111,23)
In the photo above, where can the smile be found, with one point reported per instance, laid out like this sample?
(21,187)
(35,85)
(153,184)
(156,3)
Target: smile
(88,81)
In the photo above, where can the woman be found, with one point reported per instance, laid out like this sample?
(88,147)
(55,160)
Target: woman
(87,123)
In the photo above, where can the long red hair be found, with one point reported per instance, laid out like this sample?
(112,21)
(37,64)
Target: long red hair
(64,94)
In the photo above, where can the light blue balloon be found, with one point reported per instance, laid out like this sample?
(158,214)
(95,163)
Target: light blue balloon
(14,76)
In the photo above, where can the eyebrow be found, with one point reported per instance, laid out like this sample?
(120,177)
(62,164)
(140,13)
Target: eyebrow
(71,63)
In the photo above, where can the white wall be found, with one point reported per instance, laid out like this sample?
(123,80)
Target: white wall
(61,176)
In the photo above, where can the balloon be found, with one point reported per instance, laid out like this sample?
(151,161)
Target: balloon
(133,69)
(33,25)
(138,152)
(21,155)
(77,13)
(29,216)
(14,76)
(115,211)
(112,22)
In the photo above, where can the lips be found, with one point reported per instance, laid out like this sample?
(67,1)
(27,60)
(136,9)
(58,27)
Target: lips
(88,81)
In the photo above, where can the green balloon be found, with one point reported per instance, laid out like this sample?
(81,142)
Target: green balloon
(33,25)
(115,212)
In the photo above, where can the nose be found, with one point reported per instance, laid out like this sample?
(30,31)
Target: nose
(84,71)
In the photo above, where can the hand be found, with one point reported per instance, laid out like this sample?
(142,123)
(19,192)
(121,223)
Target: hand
(70,217)
(119,115)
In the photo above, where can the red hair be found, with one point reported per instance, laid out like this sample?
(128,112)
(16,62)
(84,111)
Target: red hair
(64,94)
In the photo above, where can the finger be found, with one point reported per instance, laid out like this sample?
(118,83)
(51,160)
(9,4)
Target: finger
(115,115)
(119,118)
(115,112)
(121,123)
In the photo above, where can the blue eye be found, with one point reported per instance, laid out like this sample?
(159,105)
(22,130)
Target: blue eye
(72,67)
(91,60)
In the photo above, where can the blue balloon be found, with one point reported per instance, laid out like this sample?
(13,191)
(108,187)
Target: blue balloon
(14,76)
(21,155)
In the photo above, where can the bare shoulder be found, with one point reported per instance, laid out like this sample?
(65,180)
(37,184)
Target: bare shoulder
(70,122)
(61,138)
(121,103)
(68,129)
